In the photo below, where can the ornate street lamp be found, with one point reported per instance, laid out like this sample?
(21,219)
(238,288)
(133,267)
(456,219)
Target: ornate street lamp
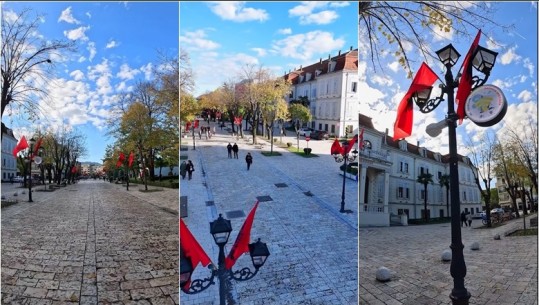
(29,156)
(483,60)
(220,230)
(340,158)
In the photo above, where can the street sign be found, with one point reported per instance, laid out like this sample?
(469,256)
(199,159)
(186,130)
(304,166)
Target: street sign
(307,139)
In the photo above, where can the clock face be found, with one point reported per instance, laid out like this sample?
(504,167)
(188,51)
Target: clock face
(486,105)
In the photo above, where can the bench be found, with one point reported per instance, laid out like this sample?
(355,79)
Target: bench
(183,206)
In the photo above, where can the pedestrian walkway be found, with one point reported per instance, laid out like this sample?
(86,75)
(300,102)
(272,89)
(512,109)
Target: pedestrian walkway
(90,243)
(313,247)
(502,272)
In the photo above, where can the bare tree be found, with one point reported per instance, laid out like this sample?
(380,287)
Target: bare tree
(26,61)
(482,157)
(395,26)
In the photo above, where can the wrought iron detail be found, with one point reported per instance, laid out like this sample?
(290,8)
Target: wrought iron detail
(430,105)
(243,274)
(200,285)
(478,82)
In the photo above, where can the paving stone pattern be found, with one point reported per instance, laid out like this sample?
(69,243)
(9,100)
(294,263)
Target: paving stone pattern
(89,243)
(502,272)
(313,247)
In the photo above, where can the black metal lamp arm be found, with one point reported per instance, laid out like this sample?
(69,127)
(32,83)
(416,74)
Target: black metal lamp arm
(243,274)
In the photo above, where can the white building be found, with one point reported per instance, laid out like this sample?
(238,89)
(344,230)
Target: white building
(388,171)
(9,162)
(331,88)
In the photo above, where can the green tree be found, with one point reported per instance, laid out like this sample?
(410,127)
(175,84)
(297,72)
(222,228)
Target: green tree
(299,114)
(425,179)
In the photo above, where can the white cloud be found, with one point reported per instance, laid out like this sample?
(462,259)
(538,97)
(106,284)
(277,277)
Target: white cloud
(381,80)
(235,11)
(305,46)
(89,15)
(82,59)
(529,65)
(147,69)
(509,56)
(525,96)
(285,31)
(339,4)
(91,48)
(112,44)
(493,45)
(306,14)
(519,116)
(440,35)
(260,52)
(127,73)
(9,16)
(77,75)
(196,41)
(394,66)
(67,16)
(78,33)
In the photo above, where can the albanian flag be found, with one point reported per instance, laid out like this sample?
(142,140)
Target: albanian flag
(465,84)
(20,146)
(192,249)
(121,160)
(241,245)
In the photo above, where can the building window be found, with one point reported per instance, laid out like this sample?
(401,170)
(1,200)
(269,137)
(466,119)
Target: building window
(367,144)
(464,196)
(403,211)
(422,195)
(354,86)
(332,128)
(439,175)
(320,126)
(404,167)
(326,127)
(403,193)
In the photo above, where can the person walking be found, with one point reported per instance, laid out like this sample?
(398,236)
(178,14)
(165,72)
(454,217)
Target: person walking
(190,168)
(249,160)
(469,219)
(229,149)
(235,149)
(183,169)
(463,219)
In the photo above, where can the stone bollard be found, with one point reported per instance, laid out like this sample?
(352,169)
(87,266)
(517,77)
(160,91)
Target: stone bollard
(383,274)
(497,237)
(447,255)
(474,246)
(16,194)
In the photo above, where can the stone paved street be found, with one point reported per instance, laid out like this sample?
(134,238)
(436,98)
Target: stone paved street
(502,272)
(313,247)
(91,243)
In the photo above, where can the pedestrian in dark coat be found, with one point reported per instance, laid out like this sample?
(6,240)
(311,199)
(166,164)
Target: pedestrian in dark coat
(190,168)
(183,169)
(249,160)
(469,219)
(235,149)
(229,149)
(463,219)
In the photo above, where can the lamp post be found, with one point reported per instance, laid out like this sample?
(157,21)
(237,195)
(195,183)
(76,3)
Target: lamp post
(483,60)
(345,156)
(29,157)
(220,229)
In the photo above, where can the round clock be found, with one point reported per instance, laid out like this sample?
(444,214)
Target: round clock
(486,105)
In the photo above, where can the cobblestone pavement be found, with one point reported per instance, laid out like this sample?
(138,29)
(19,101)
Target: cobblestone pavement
(501,272)
(313,247)
(89,243)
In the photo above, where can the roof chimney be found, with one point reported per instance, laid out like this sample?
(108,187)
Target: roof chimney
(339,53)
(301,67)
(329,56)
(320,59)
(417,144)
(351,48)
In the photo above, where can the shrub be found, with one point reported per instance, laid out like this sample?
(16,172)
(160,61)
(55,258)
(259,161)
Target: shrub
(288,144)
(307,151)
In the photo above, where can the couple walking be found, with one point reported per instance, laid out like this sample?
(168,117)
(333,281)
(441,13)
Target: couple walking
(187,167)
(231,149)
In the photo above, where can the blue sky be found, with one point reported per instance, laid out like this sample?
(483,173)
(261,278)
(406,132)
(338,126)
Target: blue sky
(515,72)
(222,37)
(117,45)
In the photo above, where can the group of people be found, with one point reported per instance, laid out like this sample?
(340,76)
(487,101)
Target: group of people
(466,219)
(207,131)
(234,148)
(187,168)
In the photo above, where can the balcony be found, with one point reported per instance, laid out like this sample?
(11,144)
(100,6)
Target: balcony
(375,154)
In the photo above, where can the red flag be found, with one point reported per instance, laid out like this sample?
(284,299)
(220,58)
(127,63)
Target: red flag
(424,78)
(20,146)
(465,84)
(187,126)
(336,148)
(121,160)
(131,159)
(38,145)
(191,248)
(350,144)
(74,169)
(361,139)
(241,245)
(196,124)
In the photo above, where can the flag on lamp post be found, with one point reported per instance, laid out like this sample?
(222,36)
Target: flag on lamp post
(336,148)
(20,146)
(38,145)
(350,145)
(121,160)
(465,83)
(192,249)
(361,139)
(131,159)
(241,245)
(424,78)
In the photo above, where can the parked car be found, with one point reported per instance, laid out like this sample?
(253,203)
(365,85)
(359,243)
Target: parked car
(18,179)
(319,135)
(305,131)
(497,211)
